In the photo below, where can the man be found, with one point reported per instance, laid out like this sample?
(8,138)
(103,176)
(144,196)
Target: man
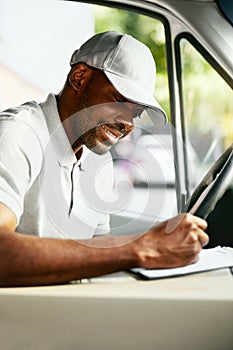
(52,198)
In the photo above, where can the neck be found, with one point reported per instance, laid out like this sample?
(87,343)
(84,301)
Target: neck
(65,110)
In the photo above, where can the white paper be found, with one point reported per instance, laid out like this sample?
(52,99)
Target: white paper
(209,259)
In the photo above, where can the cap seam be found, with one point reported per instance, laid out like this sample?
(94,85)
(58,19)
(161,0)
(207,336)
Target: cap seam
(114,54)
(115,73)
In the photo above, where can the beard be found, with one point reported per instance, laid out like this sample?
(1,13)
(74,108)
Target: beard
(90,140)
(87,126)
(89,132)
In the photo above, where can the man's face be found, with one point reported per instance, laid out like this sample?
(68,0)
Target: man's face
(104,116)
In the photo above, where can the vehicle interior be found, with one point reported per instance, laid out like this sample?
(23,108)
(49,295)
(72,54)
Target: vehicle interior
(185,166)
(158,172)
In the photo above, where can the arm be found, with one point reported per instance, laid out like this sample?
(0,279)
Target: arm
(28,260)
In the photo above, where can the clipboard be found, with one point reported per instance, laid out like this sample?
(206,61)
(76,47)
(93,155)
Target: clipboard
(209,259)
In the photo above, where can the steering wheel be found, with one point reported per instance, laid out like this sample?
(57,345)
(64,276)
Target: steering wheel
(213,186)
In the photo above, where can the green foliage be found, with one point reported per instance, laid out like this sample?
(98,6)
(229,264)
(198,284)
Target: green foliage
(192,63)
(207,98)
(148,30)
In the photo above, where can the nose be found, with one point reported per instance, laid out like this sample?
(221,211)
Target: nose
(124,123)
(125,118)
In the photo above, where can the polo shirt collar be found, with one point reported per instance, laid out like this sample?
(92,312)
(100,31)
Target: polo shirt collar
(57,132)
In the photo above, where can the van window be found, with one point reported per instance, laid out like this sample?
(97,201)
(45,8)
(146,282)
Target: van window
(208,110)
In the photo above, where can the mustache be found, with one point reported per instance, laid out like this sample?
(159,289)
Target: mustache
(119,128)
(85,120)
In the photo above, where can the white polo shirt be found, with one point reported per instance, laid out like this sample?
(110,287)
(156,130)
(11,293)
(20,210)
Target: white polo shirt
(51,193)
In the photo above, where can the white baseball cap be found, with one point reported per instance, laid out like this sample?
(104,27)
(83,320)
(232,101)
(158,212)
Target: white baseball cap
(128,64)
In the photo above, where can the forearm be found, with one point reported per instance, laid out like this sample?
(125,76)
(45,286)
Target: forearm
(29,260)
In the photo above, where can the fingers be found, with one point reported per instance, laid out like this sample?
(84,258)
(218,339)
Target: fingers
(187,220)
(199,235)
(199,222)
(203,238)
(199,225)
(190,225)
(176,242)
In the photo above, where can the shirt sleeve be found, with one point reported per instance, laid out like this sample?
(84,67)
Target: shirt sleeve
(20,162)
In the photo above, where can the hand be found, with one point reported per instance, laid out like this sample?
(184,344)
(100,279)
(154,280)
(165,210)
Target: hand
(173,243)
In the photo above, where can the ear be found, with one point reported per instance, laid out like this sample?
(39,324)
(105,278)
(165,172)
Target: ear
(79,75)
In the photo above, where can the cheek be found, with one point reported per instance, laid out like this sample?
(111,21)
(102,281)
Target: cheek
(83,122)
(90,118)
(105,112)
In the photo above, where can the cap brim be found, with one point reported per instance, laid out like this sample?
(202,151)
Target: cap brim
(132,92)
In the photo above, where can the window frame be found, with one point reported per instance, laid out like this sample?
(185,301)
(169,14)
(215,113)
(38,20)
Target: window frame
(214,64)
